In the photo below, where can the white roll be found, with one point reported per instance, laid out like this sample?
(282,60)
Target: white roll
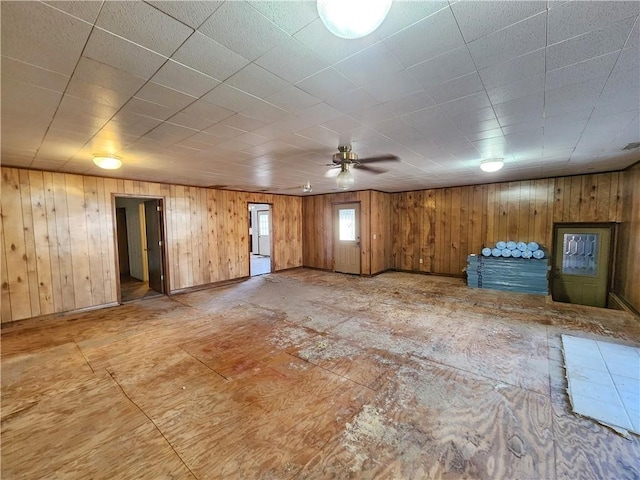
(505,252)
(521,246)
(533,246)
(496,252)
(511,245)
(539,254)
(527,254)
(516,253)
(501,245)
(486,251)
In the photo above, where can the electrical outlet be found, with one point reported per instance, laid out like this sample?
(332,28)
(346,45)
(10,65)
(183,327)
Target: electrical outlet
(420,260)
(374,236)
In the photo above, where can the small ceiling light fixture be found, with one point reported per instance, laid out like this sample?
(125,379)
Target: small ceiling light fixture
(353,18)
(108,162)
(491,164)
(306,188)
(345,179)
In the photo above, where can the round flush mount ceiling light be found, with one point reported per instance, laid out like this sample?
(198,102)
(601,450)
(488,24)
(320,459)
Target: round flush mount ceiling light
(107,162)
(353,18)
(491,164)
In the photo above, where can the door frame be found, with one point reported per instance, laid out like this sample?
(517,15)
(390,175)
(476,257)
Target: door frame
(163,249)
(271,234)
(334,223)
(613,240)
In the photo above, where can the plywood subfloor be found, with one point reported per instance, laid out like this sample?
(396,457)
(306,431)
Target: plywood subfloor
(311,375)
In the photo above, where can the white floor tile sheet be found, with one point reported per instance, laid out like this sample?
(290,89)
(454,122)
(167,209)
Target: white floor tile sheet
(604,381)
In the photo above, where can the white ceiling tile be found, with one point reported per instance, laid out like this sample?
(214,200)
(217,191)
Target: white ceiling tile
(622,85)
(184,79)
(190,121)
(97,73)
(579,72)
(521,88)
(320,134)
(521,109)
(392,86)
(482,133)
(172,99)
(290,16)
(143,25)
(230,24)
(209,57)
(456,88)
(264,112)
(148,109)
(523,127)
(353,100)
(320,113)
(365,66)
(426,39)
(33,75)
(292,99)
(40,35)
(97,93)
(510,42)
(477,19)
(573,97)
(373,115)
(404,14)
(207,111)
(230,98)
(252,139)
(292,61)
(87,11)
(593,44)
(117,52)
(189,13)
(470,103)
(410,103)
(242,122)
(575,18)
(257,81)
(443,68)
(514,69)
(224,131)
(326,84)
(328,46)
(343,124)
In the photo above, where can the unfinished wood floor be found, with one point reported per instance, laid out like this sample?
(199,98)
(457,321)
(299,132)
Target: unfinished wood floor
(309,375)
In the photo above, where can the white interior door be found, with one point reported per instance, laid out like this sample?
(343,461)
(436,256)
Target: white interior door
(264,233)
(346,251)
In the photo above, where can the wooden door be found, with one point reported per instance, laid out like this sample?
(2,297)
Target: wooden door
(153,214)
(264,233)
(581,265)
(346,250)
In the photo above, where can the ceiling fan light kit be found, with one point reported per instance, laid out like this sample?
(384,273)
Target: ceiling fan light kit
(345,179)
(108,162)
(491,165)
(306,188)
(352,19)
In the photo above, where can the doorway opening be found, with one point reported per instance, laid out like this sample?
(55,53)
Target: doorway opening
(260,234)
(582,263)
(346,250)
(140,243)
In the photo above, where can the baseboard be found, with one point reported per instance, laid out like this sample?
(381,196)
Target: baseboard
(618,302)
(27,322)
(207,286)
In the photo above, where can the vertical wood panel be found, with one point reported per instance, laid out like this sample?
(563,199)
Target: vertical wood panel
(15,250)
(30,242)
(42,246)
(94,236)
(52,235)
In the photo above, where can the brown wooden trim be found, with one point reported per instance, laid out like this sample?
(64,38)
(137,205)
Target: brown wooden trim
(37,321)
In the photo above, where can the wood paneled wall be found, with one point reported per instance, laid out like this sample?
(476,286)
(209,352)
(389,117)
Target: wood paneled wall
(318,234)
(381,240)
(443,226)
(58,249)
(627,278)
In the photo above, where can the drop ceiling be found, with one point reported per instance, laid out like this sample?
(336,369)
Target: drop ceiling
(258,95)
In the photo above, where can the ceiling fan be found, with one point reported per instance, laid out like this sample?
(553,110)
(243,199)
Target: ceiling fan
(346,158)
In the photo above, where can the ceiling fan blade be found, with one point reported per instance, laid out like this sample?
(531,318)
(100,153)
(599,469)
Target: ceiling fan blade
(369,169)
(332,172)
(379,158)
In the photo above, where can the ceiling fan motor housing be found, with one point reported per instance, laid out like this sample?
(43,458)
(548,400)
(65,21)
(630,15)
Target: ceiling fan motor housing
(344,155)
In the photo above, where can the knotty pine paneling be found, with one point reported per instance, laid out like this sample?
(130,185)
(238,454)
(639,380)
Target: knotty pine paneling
(443,226)
(317,213)
(381,245)
(58,249)
(627,275)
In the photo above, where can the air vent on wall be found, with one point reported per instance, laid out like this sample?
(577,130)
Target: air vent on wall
(631,146)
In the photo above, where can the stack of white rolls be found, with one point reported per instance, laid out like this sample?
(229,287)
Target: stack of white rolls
(515,250)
